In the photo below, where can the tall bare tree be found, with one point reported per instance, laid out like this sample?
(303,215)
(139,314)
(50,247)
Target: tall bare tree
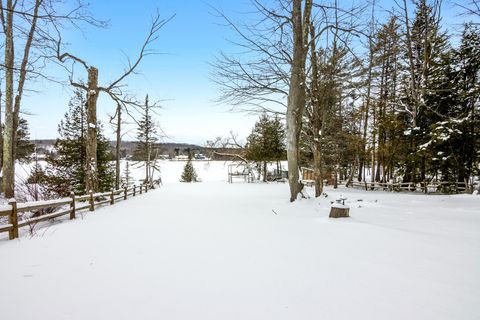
(26,23)
(281,40)
(113,90)
(297,92)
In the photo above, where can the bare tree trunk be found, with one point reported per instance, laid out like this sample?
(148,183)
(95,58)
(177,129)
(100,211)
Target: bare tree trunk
(118,145)
(352,172)
(264,171)
(8,165)
(335,179)
(147,164)
(12,108)
(296,94)
(91,182)
(1,134)
(374,140)
(317,169)
(23,75)
(361,170)
(316,117)
(93,91)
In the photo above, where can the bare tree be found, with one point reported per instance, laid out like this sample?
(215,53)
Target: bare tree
(26,25)
(280,41)
(117,120)
(471,8)
(297,94)
(113,90)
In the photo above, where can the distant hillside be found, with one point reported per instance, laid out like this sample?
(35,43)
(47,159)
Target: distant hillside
(169,149)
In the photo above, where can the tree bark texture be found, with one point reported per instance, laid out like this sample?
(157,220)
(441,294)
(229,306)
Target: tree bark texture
(296,94)
(91,143)
(117,146)
(8,166)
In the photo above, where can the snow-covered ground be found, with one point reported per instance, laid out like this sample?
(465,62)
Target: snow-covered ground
(214,250)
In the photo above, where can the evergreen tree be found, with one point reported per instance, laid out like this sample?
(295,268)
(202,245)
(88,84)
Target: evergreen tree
(451,146)
(147,136)
(430,45)
(468,117)
(189,174)
(23,147)
(66,169)
(266,143)
(127,179)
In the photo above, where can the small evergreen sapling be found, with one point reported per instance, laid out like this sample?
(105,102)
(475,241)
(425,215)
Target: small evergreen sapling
(189,174)
(127,179)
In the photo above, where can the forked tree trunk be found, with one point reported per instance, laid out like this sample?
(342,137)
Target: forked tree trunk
(91,182)
(296,93)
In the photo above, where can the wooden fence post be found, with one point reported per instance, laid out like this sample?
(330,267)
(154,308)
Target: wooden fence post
(134,189)
(141,188)
(112,197)
(92,203)
(146,188)
(125,191)
(13,220)
(72,206)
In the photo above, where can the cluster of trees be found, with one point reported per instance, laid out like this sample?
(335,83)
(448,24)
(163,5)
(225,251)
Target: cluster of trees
(65,171)
(66,168)
(390,98)
(32,42)
(266,143)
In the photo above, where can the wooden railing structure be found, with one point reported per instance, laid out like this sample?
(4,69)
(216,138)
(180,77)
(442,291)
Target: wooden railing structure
(308,178)
(425,187)
(75,203)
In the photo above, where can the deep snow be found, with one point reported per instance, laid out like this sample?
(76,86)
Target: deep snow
(214,250)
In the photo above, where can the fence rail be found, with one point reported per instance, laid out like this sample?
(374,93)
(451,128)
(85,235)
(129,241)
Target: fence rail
(76,204)
(425,187)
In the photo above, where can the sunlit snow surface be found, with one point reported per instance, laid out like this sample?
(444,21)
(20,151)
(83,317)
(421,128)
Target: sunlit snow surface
(214,250)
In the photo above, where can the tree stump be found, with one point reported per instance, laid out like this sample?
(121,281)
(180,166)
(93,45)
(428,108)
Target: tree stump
(339,211)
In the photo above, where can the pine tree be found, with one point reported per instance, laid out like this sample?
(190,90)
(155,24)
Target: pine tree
(127,179)
(468,117)
(429,46)
(451,147)
(66,169)
(386,122)
(266,143)
(23,146)
(189,174)
(146,138)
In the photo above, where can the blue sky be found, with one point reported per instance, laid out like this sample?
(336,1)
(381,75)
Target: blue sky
(180,75)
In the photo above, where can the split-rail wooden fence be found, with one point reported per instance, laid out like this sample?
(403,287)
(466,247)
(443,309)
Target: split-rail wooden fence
(75,204)
(442,187)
